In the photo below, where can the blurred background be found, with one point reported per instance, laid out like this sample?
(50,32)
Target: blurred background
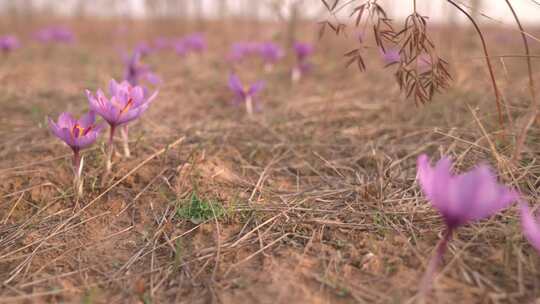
(439,11)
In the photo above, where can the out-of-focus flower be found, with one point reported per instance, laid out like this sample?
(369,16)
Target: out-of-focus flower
(463,198)
(144,49)
(244,94)
(424,63)
(161,43)
(303,51)
(460,199)
(390,56)
(241,50)
(135,71)
(180,48)
(127,103)
(270,52)
(58,34)
(531,226)
(195,42)
(9,43)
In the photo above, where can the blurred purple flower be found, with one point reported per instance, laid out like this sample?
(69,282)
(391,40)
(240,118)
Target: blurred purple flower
(245,94)
(195,42)
(240,50)
(144,49)
(180,48)
(391,56)
(531,226)
(55,34)
(303,51)
(424,63)
(462,198)
(135,71)
(270,52)
(127,103)
(9,43)
(161,43)
(76,133)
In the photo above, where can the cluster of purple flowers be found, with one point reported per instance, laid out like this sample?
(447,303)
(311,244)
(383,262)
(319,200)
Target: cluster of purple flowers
(54,34)
(193,43)
(135,71)
(9,43)
(125,104)
(270,53)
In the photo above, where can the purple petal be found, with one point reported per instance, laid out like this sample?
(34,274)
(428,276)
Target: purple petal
(530,227)
(236,85)
(65,120)
(87,140)
(256,88)
(87,120)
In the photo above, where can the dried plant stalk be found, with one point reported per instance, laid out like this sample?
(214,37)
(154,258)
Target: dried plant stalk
(534,102)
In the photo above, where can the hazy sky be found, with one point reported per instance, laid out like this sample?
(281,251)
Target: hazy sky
(528,10)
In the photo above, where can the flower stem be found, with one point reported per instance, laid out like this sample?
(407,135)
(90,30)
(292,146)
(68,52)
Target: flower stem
(249,105)
(296,74)
(440,250)
(125,141)
(77,174)
(108,164)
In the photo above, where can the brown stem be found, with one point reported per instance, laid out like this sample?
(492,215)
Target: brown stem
(125,141)
(534,103)
(498,97)
(110,152)
(440,250)
(77,175)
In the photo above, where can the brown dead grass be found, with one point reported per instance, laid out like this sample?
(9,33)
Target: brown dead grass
(318,190)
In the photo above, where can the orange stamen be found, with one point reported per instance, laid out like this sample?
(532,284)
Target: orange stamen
(77,130)
(127,106)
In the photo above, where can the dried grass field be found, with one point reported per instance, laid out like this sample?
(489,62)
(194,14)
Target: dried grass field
(311,200)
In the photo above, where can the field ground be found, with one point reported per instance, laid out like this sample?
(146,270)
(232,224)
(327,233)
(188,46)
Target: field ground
(313,200)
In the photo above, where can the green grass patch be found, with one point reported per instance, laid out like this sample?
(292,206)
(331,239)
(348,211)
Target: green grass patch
(197,209)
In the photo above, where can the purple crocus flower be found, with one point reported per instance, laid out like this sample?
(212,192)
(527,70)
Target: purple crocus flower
(390,56)
(78,134)
(55,34)
(463,198)
(126,104)
(244,94)
(303,51)
(460,199)
(9,43)
(135,71)
(271,53)
(531,226)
